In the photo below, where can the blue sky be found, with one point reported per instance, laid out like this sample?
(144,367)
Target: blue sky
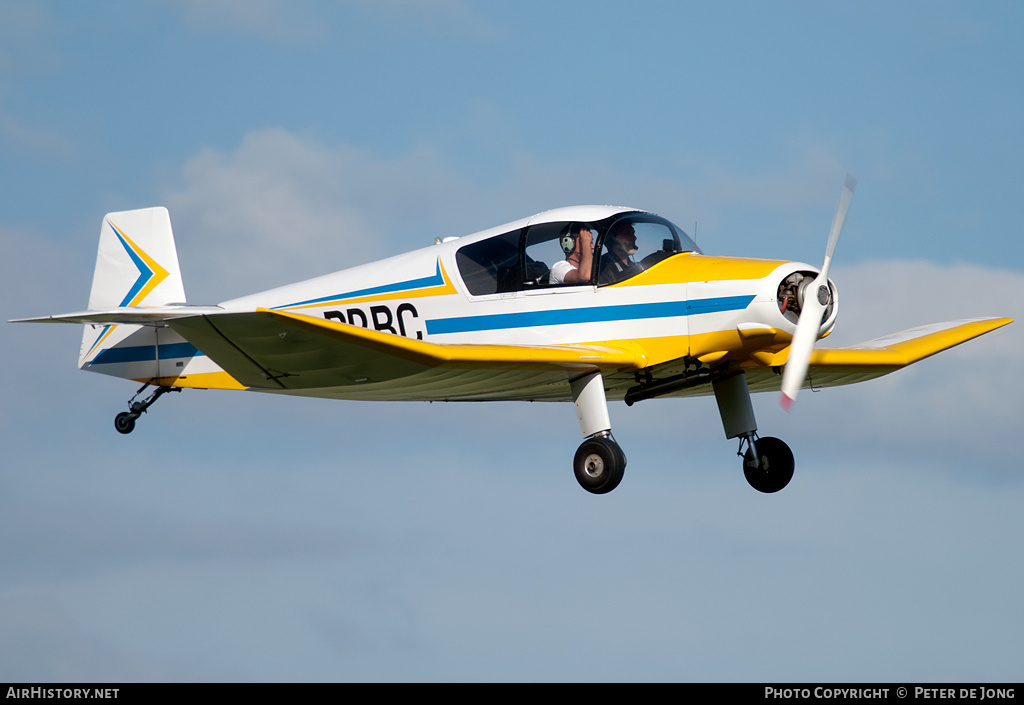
(241,537)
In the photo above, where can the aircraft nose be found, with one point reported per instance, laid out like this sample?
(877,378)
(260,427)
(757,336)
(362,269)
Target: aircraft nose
(794,290)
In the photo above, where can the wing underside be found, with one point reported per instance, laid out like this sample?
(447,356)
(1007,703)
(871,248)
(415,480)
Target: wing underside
(288,353)
(833,367)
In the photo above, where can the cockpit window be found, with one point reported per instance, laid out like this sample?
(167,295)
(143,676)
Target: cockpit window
(491,266)
(637,242)
(553,250)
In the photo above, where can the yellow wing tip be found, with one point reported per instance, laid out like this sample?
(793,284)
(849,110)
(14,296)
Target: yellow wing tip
(899,349)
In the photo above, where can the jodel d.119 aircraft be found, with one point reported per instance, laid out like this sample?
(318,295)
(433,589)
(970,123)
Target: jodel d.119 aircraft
(633,310)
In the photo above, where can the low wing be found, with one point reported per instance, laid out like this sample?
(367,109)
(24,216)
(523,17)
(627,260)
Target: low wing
(290,353)
(279,351)
(831,367)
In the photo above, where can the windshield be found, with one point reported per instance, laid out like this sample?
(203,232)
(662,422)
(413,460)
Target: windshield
(637,242)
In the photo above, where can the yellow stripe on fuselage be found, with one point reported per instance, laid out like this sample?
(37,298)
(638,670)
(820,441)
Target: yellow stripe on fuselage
(408,294)
(691,267)
(441,290)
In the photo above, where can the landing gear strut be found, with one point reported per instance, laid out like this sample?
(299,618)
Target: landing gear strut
(768,462)
(599,461)
(125,421)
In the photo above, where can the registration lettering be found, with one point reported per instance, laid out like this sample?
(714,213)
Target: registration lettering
(398,321)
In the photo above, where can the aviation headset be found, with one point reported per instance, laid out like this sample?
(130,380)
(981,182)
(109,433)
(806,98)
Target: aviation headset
(568,240)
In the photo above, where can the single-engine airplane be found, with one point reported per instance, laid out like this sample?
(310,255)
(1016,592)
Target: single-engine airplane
(488,317)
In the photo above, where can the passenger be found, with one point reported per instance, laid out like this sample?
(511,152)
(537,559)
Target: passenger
(578,245)
(617,263)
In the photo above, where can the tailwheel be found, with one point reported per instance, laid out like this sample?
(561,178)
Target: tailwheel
(125,421)
(773,468)
(599,464)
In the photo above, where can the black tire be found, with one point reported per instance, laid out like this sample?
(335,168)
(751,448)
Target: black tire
(776,467)
(599,464)
(124,422)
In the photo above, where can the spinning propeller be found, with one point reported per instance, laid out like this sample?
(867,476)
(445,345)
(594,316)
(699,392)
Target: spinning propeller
(816,298)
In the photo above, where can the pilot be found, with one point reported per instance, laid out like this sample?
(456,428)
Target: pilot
(577,243)
(617,263)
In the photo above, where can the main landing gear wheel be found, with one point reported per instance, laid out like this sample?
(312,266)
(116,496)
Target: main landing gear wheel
(599,464)
(775,469)
(124,422)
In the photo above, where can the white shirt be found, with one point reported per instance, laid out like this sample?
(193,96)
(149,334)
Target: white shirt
(559,270)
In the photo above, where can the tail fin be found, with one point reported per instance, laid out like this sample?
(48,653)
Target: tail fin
(136,265)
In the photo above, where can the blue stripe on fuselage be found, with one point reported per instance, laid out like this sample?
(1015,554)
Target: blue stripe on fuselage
(595,314)
(145,353)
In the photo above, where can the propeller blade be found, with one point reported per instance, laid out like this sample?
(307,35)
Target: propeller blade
(800,349)
(816,299)
(837,221)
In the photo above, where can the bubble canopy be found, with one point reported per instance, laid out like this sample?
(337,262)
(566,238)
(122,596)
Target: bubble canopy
(521,255)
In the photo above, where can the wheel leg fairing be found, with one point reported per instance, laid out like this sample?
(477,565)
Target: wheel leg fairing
(591,404)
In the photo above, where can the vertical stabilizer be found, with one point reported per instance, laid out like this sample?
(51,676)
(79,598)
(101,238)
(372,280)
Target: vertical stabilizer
(136,265)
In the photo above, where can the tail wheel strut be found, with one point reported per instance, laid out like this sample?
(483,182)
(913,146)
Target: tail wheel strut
(125,421)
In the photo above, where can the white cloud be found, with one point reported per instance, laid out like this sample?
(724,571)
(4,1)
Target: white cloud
(43,140)
(434,17)
(880,295)
(26,36)
(279,209)
(28,48)
(40,277)
(44,643)
(276,20)
(810,178)
(289,22)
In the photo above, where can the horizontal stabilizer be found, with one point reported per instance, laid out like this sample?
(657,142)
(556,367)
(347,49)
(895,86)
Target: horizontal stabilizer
(127,315)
